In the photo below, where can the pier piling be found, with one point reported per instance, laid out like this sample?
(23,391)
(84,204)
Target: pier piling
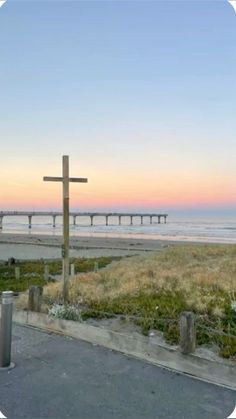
(54,221)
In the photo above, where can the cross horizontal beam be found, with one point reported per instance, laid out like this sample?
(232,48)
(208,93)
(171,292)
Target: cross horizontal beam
(60,179)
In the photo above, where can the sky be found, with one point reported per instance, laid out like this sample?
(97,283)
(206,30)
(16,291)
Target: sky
(140,94)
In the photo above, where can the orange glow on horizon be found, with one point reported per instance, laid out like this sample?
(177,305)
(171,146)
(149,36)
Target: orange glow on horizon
(129,190)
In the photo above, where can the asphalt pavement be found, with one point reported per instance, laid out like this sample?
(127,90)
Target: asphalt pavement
(60,377)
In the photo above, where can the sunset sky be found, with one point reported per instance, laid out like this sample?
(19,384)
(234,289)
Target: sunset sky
(140,94)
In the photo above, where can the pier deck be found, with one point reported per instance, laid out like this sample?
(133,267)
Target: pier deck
(75,215)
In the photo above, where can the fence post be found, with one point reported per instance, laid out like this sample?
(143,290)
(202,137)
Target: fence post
(6,329)
(62,269)
(72,269)
(46,272)
(187,332)
(17,272)
(95,266)
(35,298)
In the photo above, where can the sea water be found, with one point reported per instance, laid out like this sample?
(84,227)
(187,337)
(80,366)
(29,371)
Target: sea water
(185,228)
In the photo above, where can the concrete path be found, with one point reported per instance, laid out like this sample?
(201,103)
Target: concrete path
(58,377)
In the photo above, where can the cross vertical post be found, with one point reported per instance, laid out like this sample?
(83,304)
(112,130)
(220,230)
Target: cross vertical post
(65,179)
(66,221)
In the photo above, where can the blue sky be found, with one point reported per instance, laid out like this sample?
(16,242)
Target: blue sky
(139,94)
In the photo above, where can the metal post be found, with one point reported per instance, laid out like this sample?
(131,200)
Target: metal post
(6,329)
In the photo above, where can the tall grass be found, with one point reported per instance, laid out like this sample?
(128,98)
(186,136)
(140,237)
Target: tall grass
(204,274)
(157,287)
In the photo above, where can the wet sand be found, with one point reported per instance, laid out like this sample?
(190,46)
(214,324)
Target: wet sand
(29,246)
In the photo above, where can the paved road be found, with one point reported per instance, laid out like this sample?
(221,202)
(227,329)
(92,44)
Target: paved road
(58,377)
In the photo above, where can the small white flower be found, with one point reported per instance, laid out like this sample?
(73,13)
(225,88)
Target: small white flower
(65,312)
(233,305)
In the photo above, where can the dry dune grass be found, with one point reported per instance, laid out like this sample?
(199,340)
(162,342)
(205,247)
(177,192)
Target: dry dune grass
(154,289)
(204,274)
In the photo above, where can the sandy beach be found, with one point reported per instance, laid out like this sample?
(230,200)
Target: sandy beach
(25,246)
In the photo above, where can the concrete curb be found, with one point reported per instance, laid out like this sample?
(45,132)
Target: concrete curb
(142,347)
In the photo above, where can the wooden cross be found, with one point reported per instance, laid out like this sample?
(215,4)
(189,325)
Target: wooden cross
(65,179)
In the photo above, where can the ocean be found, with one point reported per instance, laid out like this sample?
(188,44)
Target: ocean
(185,228)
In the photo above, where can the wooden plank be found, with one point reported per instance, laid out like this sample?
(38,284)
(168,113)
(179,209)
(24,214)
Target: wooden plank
(52,179)
(60,179)
(78,179)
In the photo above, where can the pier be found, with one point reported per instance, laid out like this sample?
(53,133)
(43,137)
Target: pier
(91,215)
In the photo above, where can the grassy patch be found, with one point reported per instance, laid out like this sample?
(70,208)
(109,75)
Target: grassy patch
(32,272)
(88,265)
(154,289)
